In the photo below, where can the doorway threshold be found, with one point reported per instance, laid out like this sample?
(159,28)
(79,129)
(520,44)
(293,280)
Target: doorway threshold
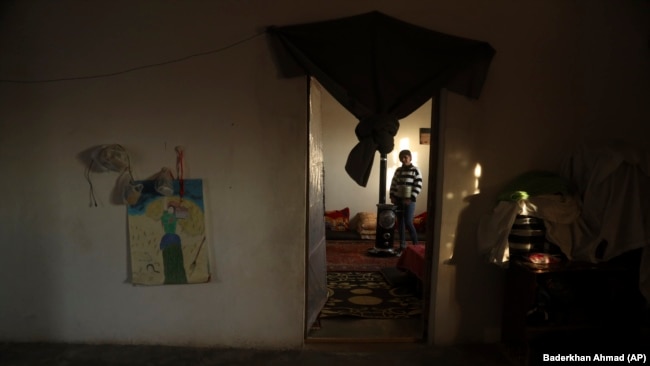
(367,330)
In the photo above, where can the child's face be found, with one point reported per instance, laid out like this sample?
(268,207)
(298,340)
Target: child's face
(405,159)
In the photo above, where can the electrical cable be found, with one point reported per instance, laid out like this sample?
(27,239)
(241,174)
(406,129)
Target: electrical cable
(158,64)
(90,183)
(114,163)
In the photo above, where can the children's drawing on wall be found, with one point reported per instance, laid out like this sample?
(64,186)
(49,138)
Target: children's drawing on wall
(167,235)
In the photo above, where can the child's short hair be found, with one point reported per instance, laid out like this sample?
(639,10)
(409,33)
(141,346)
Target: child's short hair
(404,152)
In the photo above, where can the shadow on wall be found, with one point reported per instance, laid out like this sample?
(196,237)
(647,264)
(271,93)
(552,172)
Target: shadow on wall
(479,284)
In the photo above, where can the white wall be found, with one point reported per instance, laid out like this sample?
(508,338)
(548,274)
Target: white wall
(564,72)
(65,264)
(339,139)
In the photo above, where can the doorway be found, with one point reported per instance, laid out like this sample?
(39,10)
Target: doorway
(336,127)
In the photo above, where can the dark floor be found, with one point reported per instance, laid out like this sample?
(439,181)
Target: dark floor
(368,330)
(362,351)
(37,354)
(372,330)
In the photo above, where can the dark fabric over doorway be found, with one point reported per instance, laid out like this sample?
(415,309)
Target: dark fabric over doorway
(381,69)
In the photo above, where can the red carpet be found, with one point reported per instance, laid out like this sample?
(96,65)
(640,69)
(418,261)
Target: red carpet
(353,256)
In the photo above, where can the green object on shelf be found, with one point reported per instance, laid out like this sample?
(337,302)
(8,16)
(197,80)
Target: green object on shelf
(535,183)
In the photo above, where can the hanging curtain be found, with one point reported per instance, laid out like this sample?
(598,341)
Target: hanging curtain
(381,69)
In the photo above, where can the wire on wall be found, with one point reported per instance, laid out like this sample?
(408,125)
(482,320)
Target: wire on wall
(109,158)
(137,68)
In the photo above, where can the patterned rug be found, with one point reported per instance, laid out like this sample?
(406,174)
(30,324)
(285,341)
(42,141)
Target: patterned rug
(353,256)
(368,295)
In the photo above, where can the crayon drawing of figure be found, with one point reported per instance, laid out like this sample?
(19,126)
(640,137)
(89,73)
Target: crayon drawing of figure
(170,245)
(167,236)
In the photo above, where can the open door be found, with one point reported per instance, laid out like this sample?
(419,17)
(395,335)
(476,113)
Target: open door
(381,69)
(316,259)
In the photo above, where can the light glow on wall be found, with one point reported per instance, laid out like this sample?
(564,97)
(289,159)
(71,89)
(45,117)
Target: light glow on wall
(477,176)
(404,144)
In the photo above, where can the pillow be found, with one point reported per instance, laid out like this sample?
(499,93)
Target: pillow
(337,220)
(420,222)
(367,221)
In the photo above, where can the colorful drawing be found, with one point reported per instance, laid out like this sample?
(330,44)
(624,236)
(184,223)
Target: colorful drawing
(167,236)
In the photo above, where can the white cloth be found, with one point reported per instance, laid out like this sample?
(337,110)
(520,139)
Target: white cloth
(609,216)
(495,227)
(493,231)
(614,184)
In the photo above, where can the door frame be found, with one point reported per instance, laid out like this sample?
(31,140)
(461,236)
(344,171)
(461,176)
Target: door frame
(434,204)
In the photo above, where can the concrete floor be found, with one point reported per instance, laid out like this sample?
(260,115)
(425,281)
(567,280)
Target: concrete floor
(37,354)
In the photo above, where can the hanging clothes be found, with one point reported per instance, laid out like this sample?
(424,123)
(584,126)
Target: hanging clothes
(613,184)
(603,214)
